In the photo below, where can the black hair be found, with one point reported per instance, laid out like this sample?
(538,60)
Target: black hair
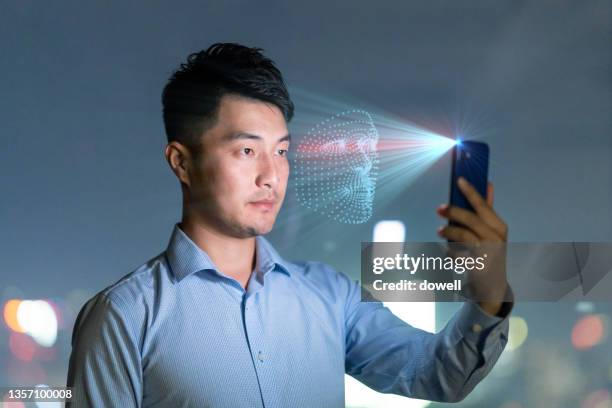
(192,95)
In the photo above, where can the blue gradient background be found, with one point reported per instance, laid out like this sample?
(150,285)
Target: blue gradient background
(87,195)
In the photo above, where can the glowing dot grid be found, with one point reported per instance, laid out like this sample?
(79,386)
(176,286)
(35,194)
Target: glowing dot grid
(336,167)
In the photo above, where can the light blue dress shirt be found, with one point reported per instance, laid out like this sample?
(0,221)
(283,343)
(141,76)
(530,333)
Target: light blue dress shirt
(177,332)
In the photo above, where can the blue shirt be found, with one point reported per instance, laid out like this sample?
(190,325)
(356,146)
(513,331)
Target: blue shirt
(177,332)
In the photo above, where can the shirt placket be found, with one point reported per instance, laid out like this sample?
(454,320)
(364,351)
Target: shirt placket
(253,323)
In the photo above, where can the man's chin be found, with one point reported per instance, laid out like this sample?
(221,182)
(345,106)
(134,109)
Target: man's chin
(264,226)
(248,231)
(262,230)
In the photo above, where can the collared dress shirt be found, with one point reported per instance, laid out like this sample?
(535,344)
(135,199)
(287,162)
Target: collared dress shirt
(177,332)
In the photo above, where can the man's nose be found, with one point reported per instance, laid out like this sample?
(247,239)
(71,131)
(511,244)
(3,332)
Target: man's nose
(267,173)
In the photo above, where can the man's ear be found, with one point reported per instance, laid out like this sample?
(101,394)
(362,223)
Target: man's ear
(179,160)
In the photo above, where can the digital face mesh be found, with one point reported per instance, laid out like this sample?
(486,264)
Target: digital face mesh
(336,167)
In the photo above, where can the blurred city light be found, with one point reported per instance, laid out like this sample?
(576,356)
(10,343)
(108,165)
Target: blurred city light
(22,346)
(585,307)
(37,318)
(588,332)
(10,315)
(597,399)
(12,404)
(517,333)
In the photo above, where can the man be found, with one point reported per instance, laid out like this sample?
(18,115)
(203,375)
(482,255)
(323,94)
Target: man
(220,319)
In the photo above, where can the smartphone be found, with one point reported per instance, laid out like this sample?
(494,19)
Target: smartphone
(470,161)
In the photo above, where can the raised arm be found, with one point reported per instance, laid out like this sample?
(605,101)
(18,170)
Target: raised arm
(391,356)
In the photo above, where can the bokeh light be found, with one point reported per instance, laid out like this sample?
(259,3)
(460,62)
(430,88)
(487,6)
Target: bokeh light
(585,307)
(517,333)
(597,399)
(22,346)
(588,332)
(58,306)
(38,319)
(389,231)
(47,404)
(10,315)
(11,404)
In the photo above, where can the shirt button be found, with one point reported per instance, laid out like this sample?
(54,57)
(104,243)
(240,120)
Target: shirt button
(476,328)
(260,356)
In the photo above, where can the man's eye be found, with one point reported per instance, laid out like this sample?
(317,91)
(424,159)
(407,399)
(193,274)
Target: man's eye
(247,150)
(282,152)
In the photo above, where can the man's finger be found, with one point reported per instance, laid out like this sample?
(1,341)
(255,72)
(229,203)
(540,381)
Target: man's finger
(482,208)
(472,221)
(490,194)
(458,234)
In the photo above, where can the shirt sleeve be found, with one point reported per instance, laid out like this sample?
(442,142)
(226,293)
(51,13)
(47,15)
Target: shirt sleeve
(391,356)
(105,366)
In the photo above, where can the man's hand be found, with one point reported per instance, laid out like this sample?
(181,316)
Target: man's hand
(480,227)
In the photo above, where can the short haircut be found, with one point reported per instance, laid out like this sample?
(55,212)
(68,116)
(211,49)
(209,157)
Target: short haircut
(193,93)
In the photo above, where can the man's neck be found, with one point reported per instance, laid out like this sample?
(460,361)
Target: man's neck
(235,257)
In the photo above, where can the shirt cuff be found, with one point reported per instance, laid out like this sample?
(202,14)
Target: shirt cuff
(473,323)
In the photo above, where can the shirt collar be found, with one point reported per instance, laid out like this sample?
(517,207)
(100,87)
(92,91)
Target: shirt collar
(185,257)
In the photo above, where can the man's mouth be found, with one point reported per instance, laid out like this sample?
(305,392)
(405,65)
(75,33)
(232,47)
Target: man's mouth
(264,205)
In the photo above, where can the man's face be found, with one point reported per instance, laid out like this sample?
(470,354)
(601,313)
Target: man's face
(239,183)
